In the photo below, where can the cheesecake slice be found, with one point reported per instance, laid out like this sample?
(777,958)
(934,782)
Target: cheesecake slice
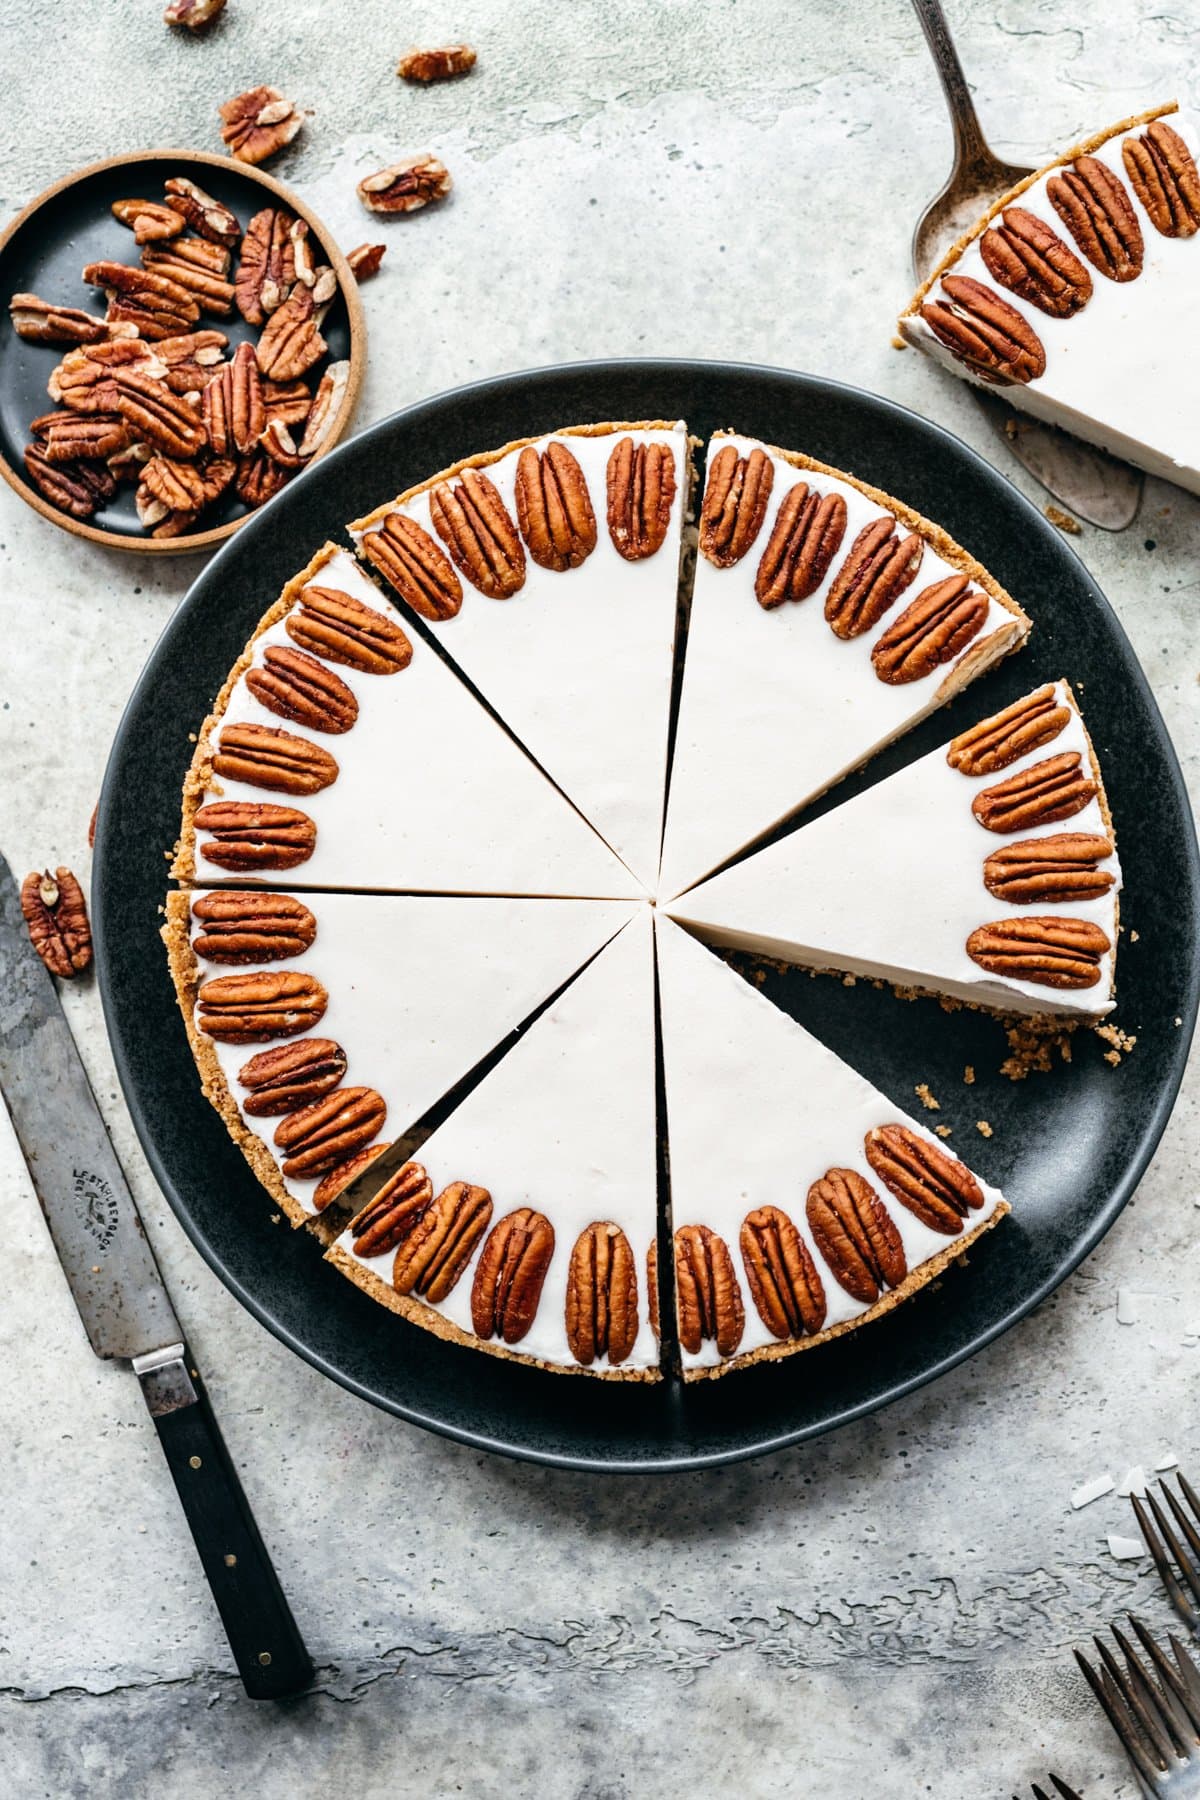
(324,1026)
(343,752)
(525,1225)
(803,1202)
(549,573)
(986,871)
(1075,297)
(827,619)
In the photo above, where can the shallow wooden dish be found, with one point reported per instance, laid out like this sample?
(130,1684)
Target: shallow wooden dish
(70,224)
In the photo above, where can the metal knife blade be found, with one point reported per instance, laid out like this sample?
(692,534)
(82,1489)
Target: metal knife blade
(92,1215)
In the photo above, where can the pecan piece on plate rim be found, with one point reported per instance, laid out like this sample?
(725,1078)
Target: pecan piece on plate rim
(405,187)
(150,221)
(706,1283)
(879,566)
(994,743)
(1053,870)
(240,927)
(1040,794)
(930,631)
(601,1302)
(735,504)
(318,1137)
(266,271)
(364,260)
(235,415)
(934,1186)
(436,65)
(264,756)
(1024,255)
(245,834)
(43,322)
(855,1234)
(640,485)
(393,1213)
(416,566)
(334,1183)
(805,538)
(76,488)
(433,1255)
(1056,953)
(345,630)
(1092,203)
(784,1283)
(252,1008)
(207,217)
(321,415)
(56,918)
(258,123)
(509,1275)
(996,342)
(478,530)
(289,1076)
(554,508)
(294,685)
(291,342)
(1163,175)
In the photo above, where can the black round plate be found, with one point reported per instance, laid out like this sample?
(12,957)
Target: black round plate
(1068,1147)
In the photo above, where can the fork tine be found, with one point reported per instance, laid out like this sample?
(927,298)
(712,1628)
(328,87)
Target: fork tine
(1166,1573)
(1186,1568)
(1039,1793)
(1061,1788)
(1189,1676)
(1187,1491)
(1119,1718)
(1185,1524)
(1181,1678)
(1162,1702)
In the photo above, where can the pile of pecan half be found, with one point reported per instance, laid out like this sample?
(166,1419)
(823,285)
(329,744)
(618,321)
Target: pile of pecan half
(152,394)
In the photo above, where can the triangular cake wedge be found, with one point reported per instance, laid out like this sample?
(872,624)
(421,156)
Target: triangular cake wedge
(986,871)
(326,1025)
(823,1209)
(827,619)
(549,572)
(344,753)
(526,1226)
(1075,297)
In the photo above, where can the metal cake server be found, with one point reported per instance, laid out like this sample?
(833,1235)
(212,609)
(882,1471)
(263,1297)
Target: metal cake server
(1089,482)
(125,1308)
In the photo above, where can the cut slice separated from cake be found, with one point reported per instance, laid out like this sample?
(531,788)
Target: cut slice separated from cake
(806,1203)
(526,1222)
(549,572)
(1075,297)
(985,872)
(325,1026)
(343,752)
(827,619)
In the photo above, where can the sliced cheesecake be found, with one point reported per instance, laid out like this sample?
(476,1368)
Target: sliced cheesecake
(803,1202)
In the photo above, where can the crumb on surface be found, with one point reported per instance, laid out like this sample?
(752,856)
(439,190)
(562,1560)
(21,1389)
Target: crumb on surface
(1063,520)
(983,1128)
(943,1131)
(969,1074)
(899,343)
(849,980)
(926,1097)
(1133,937)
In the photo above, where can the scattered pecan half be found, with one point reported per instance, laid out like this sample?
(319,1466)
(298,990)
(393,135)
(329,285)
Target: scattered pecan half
(855,1234)
(509,1275)
(66,436)
(235,415)
(1052,870)
(255,835)
(318,1137)
(56,917)
(784,1284)
(241,927)
(364,260)
(994,340)
(416,566)
(735,504)
(294,685)
(994,743)
(157,306)
(405,187)
(195,14)
(640,483)
(934,1186)
(554,509)
(706,1284)
(1092,203)
(326,404)
(77,488)
(266,271)
(289,1076)
(476,527)
(259,123)
(1056,953)
(207,217)
(601,1304)
(1164,177)
(1024,255)
(264,1004)
(431,1258)
(436,65)
(930,631)
(344,630)
(880,565)
(1046,791)
(805,538)
(42,322)
(197,266)
(149,220)
(264,756)
(291,342)
(394,1212)
(334,1184)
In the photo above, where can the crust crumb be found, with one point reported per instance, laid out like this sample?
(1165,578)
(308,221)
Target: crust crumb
(1033,1050)
(969,1074)
(1121,1042)
(849,980)
(983,1128)
(1133,937)
(943,1131)
(899,343)
(926,1097)
(1063,520)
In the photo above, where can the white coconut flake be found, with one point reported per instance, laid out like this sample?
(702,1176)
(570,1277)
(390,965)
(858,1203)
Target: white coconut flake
(1091,1490)
(1133,1482)
(1127,1306)
(1125,1549)
(1168,1461)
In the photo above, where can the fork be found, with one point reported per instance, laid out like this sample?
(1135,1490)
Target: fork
(1155,1712)
(1060,1788)
(1184,1595)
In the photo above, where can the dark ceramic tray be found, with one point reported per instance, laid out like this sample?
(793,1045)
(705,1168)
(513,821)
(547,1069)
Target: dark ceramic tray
(1069,1148)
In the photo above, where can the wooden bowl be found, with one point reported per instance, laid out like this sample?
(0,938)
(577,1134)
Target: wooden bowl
(71,224)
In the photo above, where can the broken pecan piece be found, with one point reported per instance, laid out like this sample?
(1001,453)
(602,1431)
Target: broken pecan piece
(322,414)
(431,1258)
(345,630)
(266,271)
(416,566)
(930,631)
(156,517)
(263,756)
(43,322)
(259,123)
(509,1275)
(1044,792)
(1053,870)
(1025,256)
(405,187)
(195,14)
(640,482)
(805,538)
(476,527)
(1057,953)
(436,65)
(77,488)
(880,565)
(554,509)
(149,220)
(994,743)
(735,504)
(235,416)
(394,1212)
(934,1186)
(238,927)
(56,917)
(364,260)
(255,1007)
(1165,179)
(294,685)
(706,1284)
(291,342)
(855,1234)
(994,340)
(250,835)
(318,1137)
(784,1283)
(289,1076)
(207,217)
(339,1178)
(601,1303)
(1092,203)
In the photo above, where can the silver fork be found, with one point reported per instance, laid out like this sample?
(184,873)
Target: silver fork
(1060,1788)
(1154,1710)
(1183,1590)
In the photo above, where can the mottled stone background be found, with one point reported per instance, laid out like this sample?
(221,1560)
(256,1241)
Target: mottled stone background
(889,1613)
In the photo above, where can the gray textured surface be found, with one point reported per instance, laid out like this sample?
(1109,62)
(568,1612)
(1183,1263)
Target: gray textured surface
(889,1613)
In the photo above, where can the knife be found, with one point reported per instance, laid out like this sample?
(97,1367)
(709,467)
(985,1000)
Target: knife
(124,1304)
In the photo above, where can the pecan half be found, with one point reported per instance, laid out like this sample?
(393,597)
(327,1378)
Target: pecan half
(56,917)
(994,743)
(294,685)
(934,1186)
(1024,255)
(416,566)
(127,464)
(318,1137)
(149,220)
(601,1304)
(881,564)
(181,486)
(250,835)
(477,529)
(394,1212)
(784,1283)
(805,538)
(436,65)
(344,630)
(364,260)
(207,217)
(249,927)
(156,517)
(995,341)
(339,1178)
(264,756)
(289,1076)
(291,343)
(1057,953)
(289,401)
(193,360)
(405,187)
(323,412)
(255,1007)
(278,443)
(1038,795)
(706,1285)
(1164,177)
(735,504)
(87,379)
(195,14)
(43,322)
(930,631)
(640,484)
(266,271)
(1050,869)
(235,416)
(1092,203)
(158,306)
(259,478)
(652,1291)
(441,1244)
(66,436)
(77,488)
(509,1275)
(168,421)
(199,267)
(259,123)
(855,1234)
(554,509)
